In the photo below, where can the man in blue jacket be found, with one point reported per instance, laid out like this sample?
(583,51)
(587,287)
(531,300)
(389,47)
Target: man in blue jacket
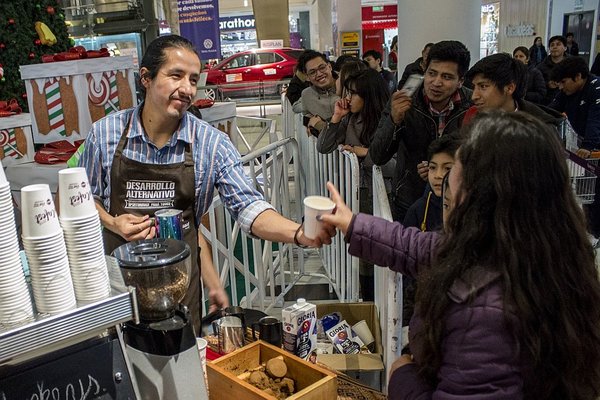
(579,98)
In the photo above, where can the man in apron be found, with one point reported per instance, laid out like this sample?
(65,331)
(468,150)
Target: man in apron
(158,156)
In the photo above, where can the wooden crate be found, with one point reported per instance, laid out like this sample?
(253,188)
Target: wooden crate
(312,382)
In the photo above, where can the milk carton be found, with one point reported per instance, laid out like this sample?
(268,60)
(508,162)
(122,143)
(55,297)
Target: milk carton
(300,328)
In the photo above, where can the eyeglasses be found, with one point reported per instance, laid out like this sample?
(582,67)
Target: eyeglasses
(321,68)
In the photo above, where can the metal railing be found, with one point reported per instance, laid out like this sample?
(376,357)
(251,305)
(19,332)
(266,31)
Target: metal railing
(388,284)
(264,266)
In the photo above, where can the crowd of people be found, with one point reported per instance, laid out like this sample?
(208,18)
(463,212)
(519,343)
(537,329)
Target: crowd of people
(501,287)
(505,290)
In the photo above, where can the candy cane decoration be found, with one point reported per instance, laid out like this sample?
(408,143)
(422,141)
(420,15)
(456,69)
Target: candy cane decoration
(103,92)
(8,140)
(56,117)
(112,104)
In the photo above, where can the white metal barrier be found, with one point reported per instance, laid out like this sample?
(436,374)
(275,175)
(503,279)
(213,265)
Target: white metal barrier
(342,169)
(265,126)
(262,265)
(388,284)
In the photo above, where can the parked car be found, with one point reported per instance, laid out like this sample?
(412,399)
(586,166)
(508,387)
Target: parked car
(262,69)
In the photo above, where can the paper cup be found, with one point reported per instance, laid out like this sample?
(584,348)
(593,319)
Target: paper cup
(315,206)
(39,217)
(364,333)
(76,200)
(202,343)
(3,180)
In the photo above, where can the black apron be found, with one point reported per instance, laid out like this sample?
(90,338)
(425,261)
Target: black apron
(141,189)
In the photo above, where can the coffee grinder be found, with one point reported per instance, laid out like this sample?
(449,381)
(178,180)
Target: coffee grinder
(162,347)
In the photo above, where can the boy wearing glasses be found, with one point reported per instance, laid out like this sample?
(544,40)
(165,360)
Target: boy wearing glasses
(318,100)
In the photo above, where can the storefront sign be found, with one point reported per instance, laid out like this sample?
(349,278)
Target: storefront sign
(271,44)
(238,23)
(520,30)
(350,39)
(199,22)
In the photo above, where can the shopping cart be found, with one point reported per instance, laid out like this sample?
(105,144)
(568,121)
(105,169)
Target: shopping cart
(582,172)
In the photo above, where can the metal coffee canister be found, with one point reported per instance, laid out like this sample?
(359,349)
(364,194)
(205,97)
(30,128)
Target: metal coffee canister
(230,332)
(169,223)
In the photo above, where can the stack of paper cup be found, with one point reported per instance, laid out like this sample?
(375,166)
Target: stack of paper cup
(46,253)
(15,302)
(83,236)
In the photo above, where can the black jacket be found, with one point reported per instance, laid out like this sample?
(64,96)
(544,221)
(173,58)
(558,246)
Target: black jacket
(533,54)
(583,110)
(410,140)
(546,68)
(536,86)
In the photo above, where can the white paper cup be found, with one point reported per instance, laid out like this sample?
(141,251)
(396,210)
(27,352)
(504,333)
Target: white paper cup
(364,333)
(76,200)
(315,206)
(39,217)
(202,343)
(3,180)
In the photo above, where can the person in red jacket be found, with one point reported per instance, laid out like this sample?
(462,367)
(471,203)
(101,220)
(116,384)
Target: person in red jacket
(507,306)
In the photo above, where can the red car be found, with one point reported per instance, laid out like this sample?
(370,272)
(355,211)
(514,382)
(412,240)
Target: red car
(253,66)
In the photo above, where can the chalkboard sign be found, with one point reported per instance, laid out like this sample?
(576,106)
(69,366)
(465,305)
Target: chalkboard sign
(94,369)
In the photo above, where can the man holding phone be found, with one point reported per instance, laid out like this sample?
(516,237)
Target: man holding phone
(411,121)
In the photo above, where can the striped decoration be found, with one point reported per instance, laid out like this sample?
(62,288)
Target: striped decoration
(56,117)
(9,138)
(113,100)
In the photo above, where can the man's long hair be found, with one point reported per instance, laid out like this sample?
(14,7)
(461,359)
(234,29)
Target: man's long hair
(518,216)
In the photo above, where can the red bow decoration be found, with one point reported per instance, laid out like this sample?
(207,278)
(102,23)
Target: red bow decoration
(8,108)
(56,152)
(75,53)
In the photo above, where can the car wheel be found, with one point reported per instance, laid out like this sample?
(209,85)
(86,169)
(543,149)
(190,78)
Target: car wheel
(210,94)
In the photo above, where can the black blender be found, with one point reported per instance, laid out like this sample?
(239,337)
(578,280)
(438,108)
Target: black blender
(162,347)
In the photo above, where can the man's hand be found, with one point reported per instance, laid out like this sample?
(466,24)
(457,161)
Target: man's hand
(218,299)
(314,120)
(583,153)
(132,227)
(400,104)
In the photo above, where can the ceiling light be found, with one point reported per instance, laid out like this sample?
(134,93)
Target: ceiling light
(245,3)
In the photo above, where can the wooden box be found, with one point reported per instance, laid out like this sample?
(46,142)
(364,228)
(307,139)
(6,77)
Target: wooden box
(312,382)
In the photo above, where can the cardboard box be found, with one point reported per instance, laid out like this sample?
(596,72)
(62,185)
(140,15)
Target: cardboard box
(66,97)
(366,368)
(16,140)
(312,382)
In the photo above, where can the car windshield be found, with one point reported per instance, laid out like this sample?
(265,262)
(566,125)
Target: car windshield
(295,54)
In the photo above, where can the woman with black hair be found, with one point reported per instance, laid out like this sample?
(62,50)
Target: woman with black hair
(507,306)
(354,121)
(536,85)
(537,52)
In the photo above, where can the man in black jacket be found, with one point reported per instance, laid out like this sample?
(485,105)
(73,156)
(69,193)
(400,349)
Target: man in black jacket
(499,82)
(579,98)
(409,124)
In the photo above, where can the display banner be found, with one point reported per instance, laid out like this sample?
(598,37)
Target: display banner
(199,22)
